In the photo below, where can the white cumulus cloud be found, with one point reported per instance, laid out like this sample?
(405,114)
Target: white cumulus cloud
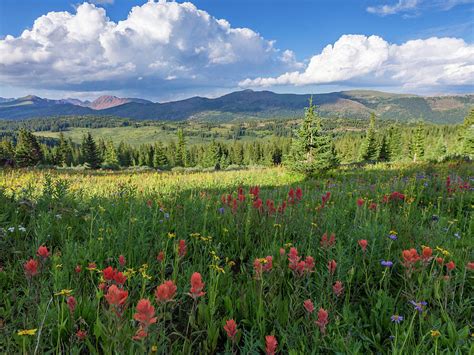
(159,42)
(430,63)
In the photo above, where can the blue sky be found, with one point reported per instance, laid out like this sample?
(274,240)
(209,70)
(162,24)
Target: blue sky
(169,51)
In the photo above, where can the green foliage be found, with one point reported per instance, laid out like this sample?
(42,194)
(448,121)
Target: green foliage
(27,151)
(417,146)
(90,153)
(312,150)
(369,149)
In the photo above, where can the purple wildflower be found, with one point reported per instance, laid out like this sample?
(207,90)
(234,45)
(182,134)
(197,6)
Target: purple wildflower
(393,236)
(396,318)
(386,263)
(419,305)
(221,210)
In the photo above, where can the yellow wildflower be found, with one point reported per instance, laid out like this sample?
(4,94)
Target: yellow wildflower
(435,333)
(171,235)
(63,292)
(27,332)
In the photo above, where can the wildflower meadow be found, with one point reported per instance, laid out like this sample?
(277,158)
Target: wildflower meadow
(374,260)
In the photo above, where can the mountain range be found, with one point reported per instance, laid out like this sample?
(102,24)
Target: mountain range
(249,104)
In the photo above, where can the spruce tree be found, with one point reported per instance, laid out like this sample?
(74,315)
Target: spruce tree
(159,159)
(90,154)
(28,151)
(394,142)
(312,151)
(110,159)
(369,151)
(418,142)
(7,152)
(65,156)
(383,154)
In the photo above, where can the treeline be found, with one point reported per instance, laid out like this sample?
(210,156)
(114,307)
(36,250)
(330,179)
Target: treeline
(314,145)
(27,151)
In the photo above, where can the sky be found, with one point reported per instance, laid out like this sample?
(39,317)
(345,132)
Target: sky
(165,50)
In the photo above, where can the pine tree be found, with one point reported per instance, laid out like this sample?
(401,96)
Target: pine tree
(394,142)
(312,151)
(212,157)
(65,156)
(124,154)
(180,159)
(7,152)
(467,129)
(159,159)
(383,154)
(369,149)
(90,154)
(110,159)
(28,151)
(418,142)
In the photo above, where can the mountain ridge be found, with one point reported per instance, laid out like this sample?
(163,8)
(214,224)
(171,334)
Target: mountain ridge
(249,104)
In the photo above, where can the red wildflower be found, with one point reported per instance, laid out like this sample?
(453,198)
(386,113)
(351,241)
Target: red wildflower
(427,252)
(282,252)
(122,260)
(451,265)
(31,268)
(363,244)
(470,265)
(325,198)
(116,296)
(71,303)
(309,306)
(338,288)
(309,264)
(332,266)
(327,243)
(166,291)
(270,345)
(81,335)
(230,328)
(43,252)
(182,248)
(140,334)
(119,278)
(78,269)
(373,206)
(439,260)
(255,191)
(282,207)
(257,204)
(108,273)
(410,256)
(322,321)
(196,286)
(299,193)
(161,256)
(262,264)
(360,202)
(293,258)
(270,207)
(149,203)
(92,266)
(102,286)
(145,313)
(291,196)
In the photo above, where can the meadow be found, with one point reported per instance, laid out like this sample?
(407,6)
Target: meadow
(370,260)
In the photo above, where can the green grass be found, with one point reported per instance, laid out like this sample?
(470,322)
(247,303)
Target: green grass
(85,217)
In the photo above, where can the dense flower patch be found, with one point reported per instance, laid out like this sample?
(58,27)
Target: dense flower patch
(365,262)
